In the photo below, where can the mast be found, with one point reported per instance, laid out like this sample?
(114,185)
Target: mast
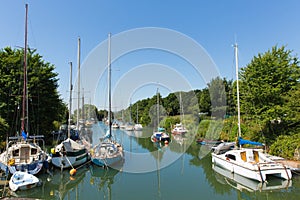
(237,87)
(70,102)
(157,99)
(109,84)
(137,113)
(78,94)
(24,101)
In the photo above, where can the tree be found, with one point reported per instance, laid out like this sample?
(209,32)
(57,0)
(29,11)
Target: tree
(44,102)
(218,95)
(265,83)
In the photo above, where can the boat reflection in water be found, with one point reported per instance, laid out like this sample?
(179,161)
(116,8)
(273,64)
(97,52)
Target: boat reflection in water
(242,183)
(62,184)
(103,179)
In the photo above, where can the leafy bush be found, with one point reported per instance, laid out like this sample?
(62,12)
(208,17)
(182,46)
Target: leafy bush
(285,146)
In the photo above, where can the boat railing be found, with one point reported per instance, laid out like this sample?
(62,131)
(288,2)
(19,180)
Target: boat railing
(34,138)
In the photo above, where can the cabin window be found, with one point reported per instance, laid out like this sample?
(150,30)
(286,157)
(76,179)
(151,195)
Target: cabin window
(232,157)
(16,152)
(33,151)
(243,156)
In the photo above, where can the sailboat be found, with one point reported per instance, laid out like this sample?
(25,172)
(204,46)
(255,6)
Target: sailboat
(179,127)
(70,153)
(250,163)
(137,126)
(108,152)
(160,135)
(22,152)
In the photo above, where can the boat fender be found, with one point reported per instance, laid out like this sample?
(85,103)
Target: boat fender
(73,172)
(11,161)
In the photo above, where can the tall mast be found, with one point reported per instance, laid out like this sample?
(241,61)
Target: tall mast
(70,102)
(157,99)
(78,94)
(24,102)
(109,84)
(237,87)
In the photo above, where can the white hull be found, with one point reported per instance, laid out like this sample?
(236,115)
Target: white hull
(23,156)
(257,170)
(69,154)
(22,181)
(242,182)
(107,154)
(69,161)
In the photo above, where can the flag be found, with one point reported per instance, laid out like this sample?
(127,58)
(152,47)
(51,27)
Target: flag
(24,135)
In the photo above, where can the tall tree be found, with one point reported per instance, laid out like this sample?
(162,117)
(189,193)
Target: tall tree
(44,102)
(265,82)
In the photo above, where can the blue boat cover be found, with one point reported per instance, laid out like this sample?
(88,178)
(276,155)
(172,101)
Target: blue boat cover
(242,142)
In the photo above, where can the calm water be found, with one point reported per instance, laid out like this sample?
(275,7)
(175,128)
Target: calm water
(151,171)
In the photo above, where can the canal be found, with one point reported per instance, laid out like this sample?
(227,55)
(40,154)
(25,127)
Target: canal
(180,170)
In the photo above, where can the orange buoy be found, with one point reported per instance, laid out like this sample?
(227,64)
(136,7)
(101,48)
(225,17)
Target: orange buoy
(72,172)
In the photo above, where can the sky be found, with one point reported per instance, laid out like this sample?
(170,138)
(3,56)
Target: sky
(170,45)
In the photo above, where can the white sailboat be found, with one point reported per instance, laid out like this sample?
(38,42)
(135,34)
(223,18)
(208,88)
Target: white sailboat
(22,152)
(179,127)
(160,134)
(137,126)
(108,152)
(250,163)
(70,153)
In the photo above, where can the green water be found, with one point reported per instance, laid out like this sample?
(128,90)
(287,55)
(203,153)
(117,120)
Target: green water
(181,170)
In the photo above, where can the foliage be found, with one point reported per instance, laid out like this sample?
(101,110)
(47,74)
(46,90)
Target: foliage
(265,84)
(44,102)
(285,145)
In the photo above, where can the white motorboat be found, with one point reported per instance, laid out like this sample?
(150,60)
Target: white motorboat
(23,181)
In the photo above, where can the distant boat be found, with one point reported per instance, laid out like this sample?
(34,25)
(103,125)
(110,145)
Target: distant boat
(129,126)
(137,126)
(22,152)
(179,127)
(108,152)
(160,135)
(250,163)
(209,142)
(23,181)
(70,153)
(115,125)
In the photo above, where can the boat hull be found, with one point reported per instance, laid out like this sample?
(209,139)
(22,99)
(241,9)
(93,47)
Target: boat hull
(23,181)
(257,171)
(107,154)
(23,156)
(68,161)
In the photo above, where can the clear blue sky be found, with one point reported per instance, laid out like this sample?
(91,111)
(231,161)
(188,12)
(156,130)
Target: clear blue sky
(54,26)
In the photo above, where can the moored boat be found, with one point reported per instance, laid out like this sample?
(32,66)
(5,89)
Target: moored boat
(108,152)
(250,163)
(69,154)
(23,181)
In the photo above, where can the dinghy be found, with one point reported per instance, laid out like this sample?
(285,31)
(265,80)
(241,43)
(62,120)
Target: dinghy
(23,181)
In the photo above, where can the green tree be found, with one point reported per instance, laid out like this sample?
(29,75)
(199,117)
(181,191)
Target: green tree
(265,83)
(218,95)
(44,102)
